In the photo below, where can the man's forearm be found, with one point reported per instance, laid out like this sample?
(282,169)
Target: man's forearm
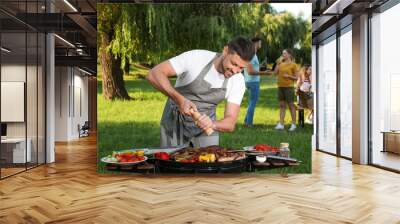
(225,125)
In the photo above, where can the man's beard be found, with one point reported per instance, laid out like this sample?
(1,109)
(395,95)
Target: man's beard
(222,69)
(225,70)
(221,65)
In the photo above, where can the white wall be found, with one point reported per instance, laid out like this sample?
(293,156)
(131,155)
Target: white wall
(13,72)
(61,103)
(81,113)
(71,101)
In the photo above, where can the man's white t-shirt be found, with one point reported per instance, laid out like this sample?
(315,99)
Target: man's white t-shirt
(188,66)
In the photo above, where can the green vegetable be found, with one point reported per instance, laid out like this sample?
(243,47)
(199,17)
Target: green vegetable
(112,159)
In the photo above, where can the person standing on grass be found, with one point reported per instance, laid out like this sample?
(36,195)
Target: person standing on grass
(252,78)
(287,72)
(304,91)
(204,79)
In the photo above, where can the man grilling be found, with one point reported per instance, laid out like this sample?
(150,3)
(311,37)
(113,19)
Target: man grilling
(204,79)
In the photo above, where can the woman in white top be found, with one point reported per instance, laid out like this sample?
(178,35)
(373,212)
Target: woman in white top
(304,91)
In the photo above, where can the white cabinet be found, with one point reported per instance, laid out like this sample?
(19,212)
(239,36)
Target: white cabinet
(16,146)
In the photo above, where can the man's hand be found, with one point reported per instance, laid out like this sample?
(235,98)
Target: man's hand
(205,122)
(185,105)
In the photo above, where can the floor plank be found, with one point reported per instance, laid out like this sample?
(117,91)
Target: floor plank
(387,159)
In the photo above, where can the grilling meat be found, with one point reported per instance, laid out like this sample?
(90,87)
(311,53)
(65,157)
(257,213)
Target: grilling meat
(207,154)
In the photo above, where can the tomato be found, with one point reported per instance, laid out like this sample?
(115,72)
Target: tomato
(265,148)
(157,155)
(161,155)
(260,147)
(127,155)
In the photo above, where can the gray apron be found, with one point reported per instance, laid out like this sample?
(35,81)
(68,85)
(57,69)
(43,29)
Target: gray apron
(178,129)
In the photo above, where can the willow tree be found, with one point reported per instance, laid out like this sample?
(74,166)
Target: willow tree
(109,17)
(150,33)
(250,22)
(169,30)
(305,43)
(283,30)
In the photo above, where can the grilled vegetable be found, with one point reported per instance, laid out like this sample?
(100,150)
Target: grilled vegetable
(161,155)
(208,158)
(125,157)
(266,148)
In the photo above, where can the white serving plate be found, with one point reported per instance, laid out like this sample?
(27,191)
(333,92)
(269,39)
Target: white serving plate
(106,160)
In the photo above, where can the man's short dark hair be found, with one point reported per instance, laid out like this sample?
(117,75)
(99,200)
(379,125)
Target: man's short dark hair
(255,39)
(243,47)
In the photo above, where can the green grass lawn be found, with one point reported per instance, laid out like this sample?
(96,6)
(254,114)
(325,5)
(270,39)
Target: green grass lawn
(135,124)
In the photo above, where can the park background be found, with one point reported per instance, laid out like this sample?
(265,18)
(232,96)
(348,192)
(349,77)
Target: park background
(132,38)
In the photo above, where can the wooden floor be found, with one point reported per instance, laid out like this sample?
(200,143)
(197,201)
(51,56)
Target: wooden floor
(70,191)
(10,171)
(387,159)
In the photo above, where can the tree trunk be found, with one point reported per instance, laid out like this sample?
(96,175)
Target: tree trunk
(127,66)
(113,82)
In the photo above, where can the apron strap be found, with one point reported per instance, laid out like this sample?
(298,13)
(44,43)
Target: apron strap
(225,84)
(207,68)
